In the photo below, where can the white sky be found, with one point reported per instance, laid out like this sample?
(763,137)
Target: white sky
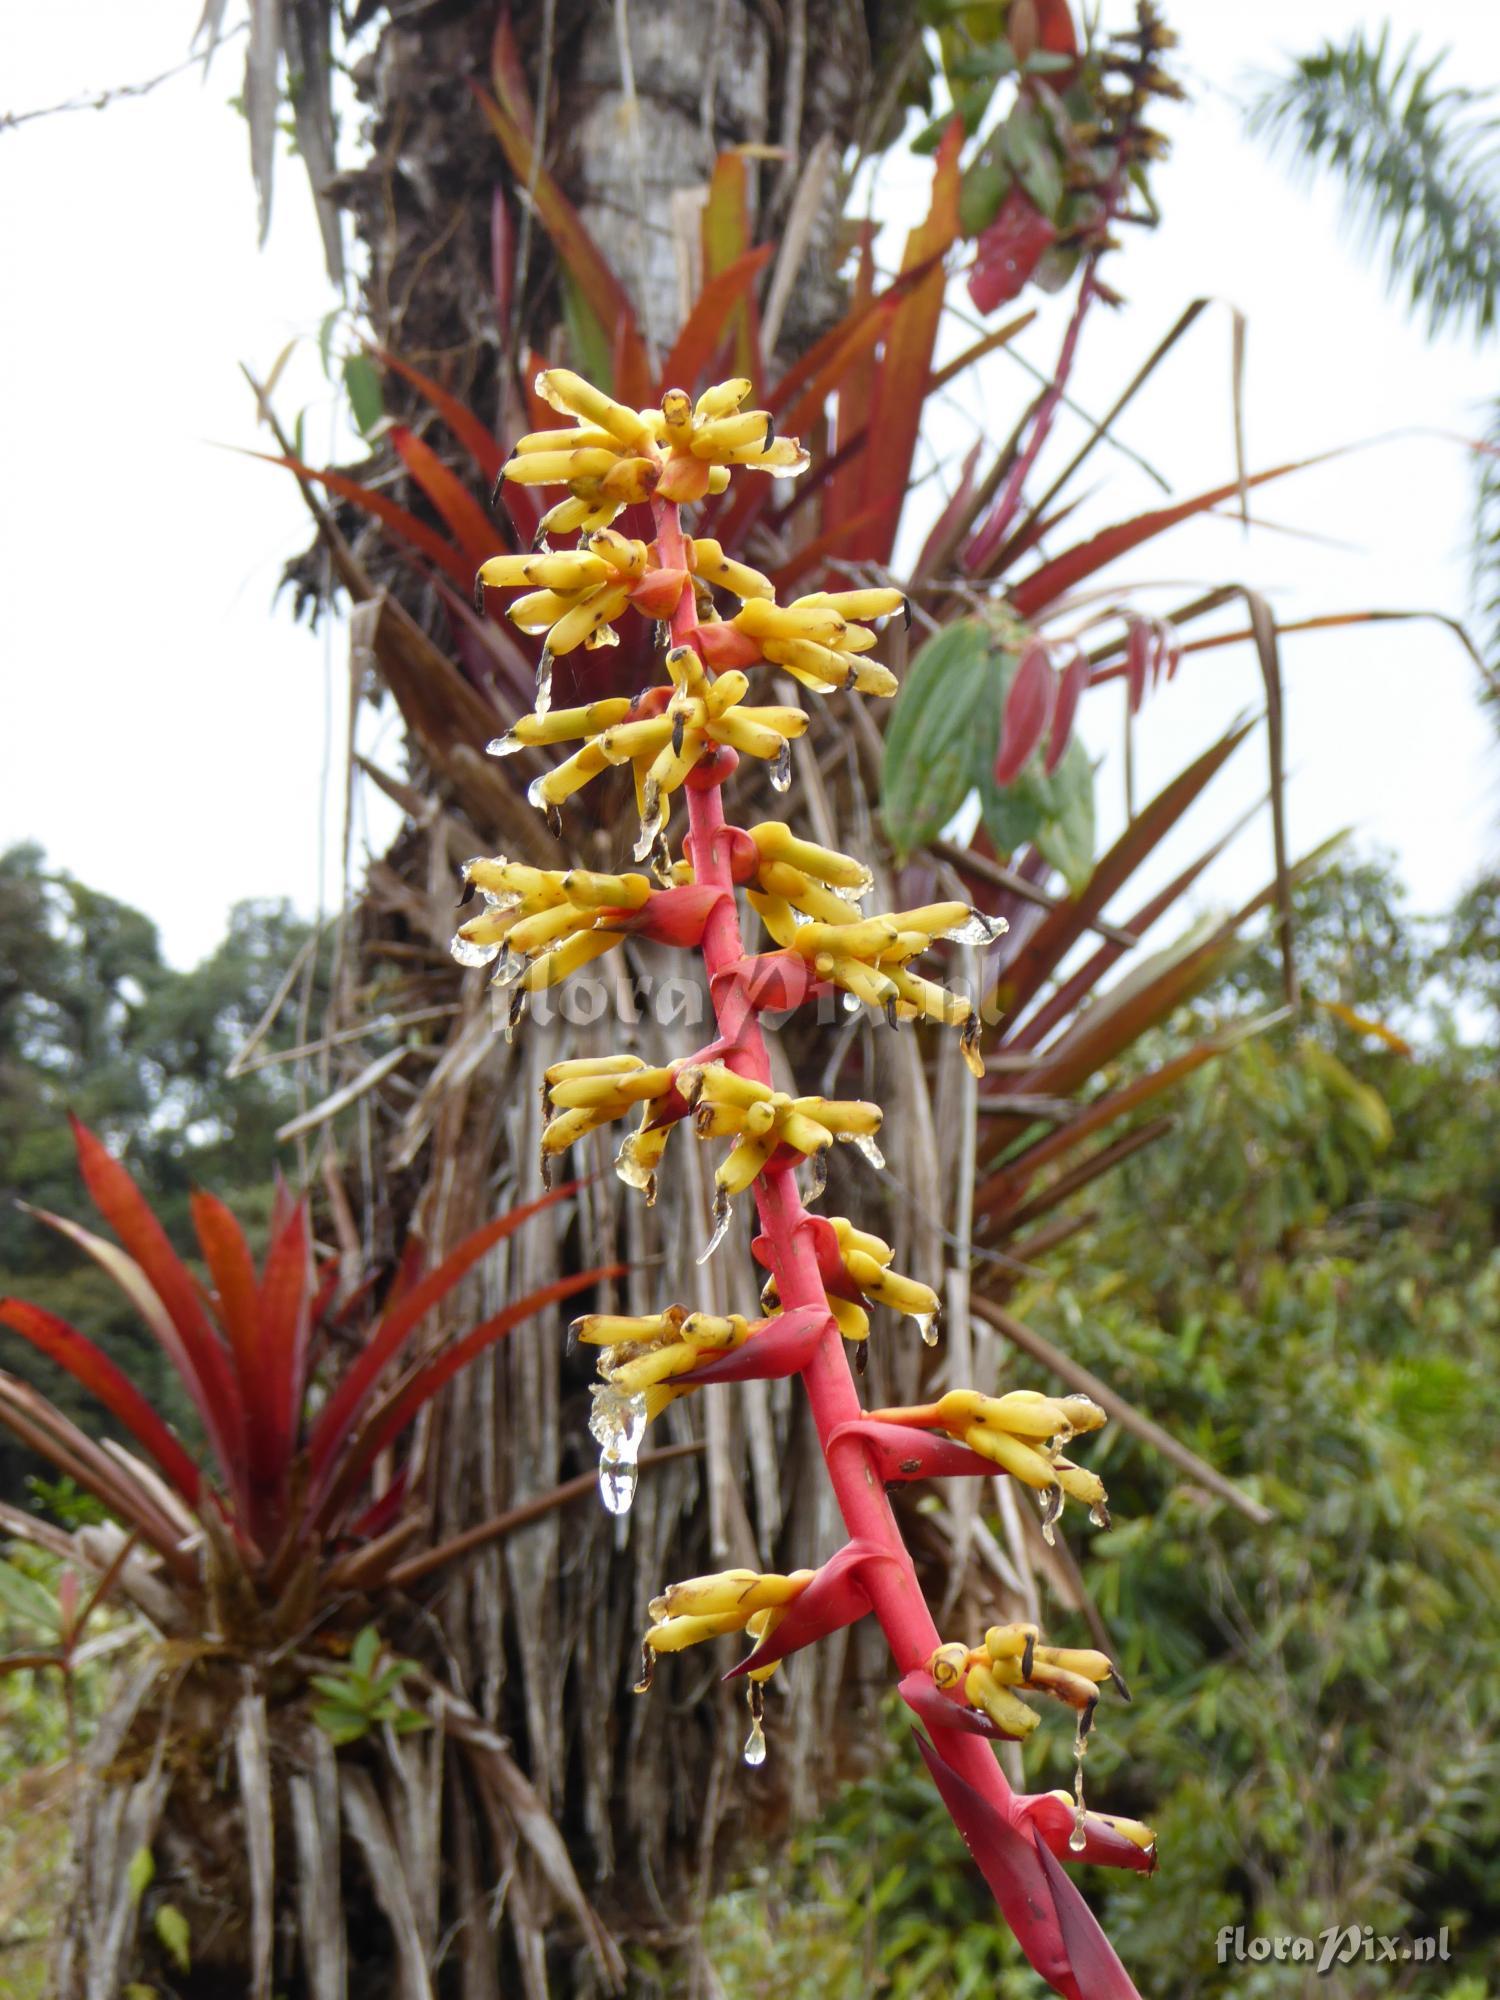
(165,731)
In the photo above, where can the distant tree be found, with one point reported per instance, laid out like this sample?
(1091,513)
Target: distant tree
(1420,167)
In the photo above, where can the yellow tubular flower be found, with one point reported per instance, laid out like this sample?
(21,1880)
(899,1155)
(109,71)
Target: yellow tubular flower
(867,1260)
(577,593)
(710,562)
(1023,1433)
(611,456)
(536,926)
(818,638)
(705,1607)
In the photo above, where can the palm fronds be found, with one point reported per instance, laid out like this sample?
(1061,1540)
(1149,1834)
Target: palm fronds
(1419,161)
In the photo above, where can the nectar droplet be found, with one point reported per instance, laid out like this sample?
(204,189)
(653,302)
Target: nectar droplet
(928,1325)
(781,767)
(544,681)
(504,746)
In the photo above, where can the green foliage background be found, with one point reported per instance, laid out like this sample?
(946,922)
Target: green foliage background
(1302,1283)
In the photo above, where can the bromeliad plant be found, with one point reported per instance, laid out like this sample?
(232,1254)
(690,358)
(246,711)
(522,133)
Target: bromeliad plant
(268,1573)
(683,738)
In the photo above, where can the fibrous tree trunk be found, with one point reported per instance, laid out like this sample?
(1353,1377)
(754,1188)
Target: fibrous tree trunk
(632,105)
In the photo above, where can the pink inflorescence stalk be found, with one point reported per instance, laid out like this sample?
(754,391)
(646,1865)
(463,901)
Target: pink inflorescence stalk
(541,925)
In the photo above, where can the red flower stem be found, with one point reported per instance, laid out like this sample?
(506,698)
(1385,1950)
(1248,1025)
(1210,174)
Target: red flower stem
(895,1594)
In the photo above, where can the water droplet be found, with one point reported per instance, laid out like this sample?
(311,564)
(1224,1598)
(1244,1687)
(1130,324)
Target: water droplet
(544,681)
(504,746)
(969,1044)
(867,1149)
(617,1424)
(1052,1506)
(653,819)
(851,1003)
(1099,1514)
(781,767)
(1078,1838)
(511,967)
(755,1742)
(721,1225)
(468,953)
(517,1009)
(536,794)
(663,633)
(817,1174)
(862,887)
(928,1323)
(977,928)
(540,546)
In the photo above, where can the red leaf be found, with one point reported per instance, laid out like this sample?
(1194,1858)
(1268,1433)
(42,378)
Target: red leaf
(1069,693)
(1028,709)
(1137,661)
(502,260)
(939,543)
(727,234)
(856,397)
(577,250)
(210,1378)
(1048,582)
(471,526)
(400,520)
(475,437)
(95,1371)
(232,1269)
(901,391)
(391,1417)
(708,322)
(286,1322)
(402,1317)
(1006,254)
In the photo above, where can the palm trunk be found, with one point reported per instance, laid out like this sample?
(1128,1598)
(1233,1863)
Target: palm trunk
(632,105)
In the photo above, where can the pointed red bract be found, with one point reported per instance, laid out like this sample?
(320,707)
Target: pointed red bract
(1053,1924)
(1075,678)
(1029,704)
(836,1597)
(1006,254)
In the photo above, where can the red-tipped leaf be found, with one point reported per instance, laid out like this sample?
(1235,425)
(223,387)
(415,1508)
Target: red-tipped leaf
(94,1371)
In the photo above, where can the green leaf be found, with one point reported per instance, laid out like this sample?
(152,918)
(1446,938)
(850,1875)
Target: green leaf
(340,1725)
(939,734)
(139,1875)
(366,1651)
(27,1599)
(171,1927)
(362,386)
(1029,147)
(588,339)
